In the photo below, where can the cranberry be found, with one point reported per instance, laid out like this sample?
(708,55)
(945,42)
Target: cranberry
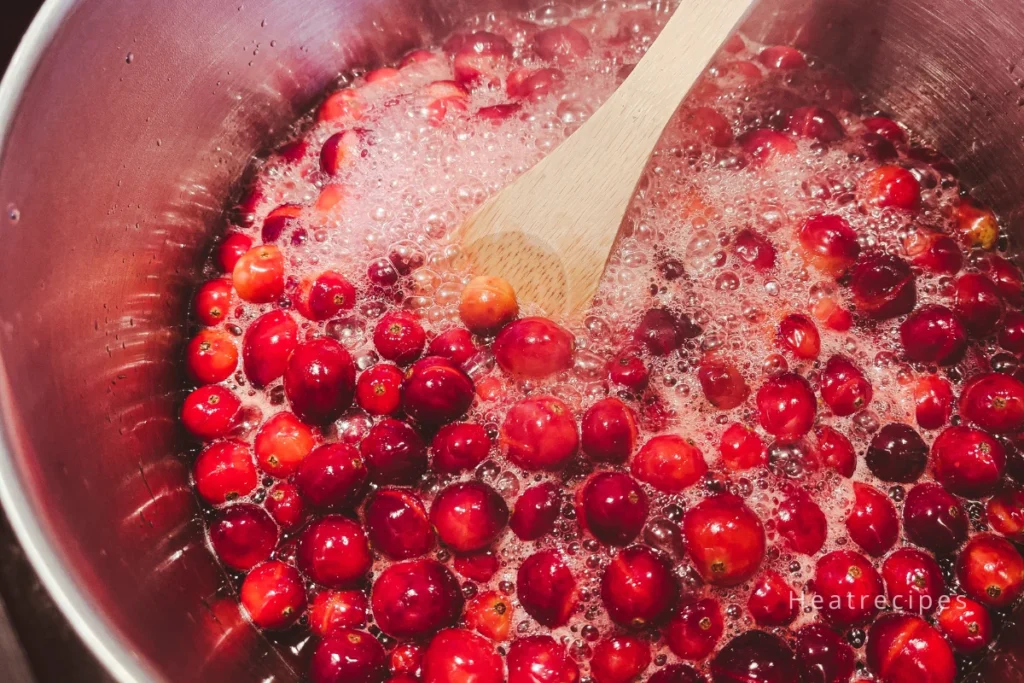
(872,523)
(773,602)
(479,59)
(883,287)
(394,453)
(399,337)
(211,356)
(638,587)
(798,334)
(628,369)
(333,552)
(436,391)
(887,128)
(258,275)
(534,348)
(613,507)
(381,273)
(741,448)
(284,217)
(709,127)
(243,536)
(801,523)
(325,296)
(231,249)
(378,389)
(561,44)
(478,567)
(669,463)
(339,150)
(902,647)
(755,250)
(348,656)
(539,434)
(1005,513)
(786,406)
(459,447)
(978,303)
(815,123)
(677,673)
(661,331)
(535,512)
(282,443)
(546,588)
(934,252)
(608,431)
(755,657)
(823,655)
(407,659)
(273,595)
(210,412)
(994,402)
(722,384)
(456,345)
(766,147)
(843,386)
(990,570)
(344,104)
(490,614)
(224,471)
(213,301)
(933,518)
(829,243)
(416,598)
(267,344)
(934,334)
(725,539)
(968,462)
(533,84)
(333,610)
(933,402)
(1008,279)
(834,450)
(897,453)
(782,57)
(620,659)
(891,186)
(540,659)
(468,516)
(285,505)
(976,224)
(913,581)
(496,113)
(1011,332)
(320,380)
(695,628)
(397,524)
(850,589)
(966,624)
(332,476)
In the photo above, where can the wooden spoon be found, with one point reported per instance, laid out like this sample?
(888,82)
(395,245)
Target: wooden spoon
(550,232)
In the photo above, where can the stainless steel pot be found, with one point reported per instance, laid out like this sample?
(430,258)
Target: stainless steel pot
(124,126)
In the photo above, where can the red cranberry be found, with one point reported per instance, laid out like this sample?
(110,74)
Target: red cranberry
(872,523)
(332,476)
(382,273)
(661,331)
(282,443)
(933,402)
(243,536)
(399,337)
(843,386)
(902,647)
(535,512)
(669,463)
(608,431)
(325,296)
(561,44)
(798,334)
(765,146)
(786,406)
(801,523)
(990,570)
(436,391)
(773,602)
(285,505)
(897,453)
(677,673)
(258,275)
(620,659)
(394,453)
(333,610)
(741,448)
(968,461)
(994,402)
(834,450)
(456,345)
(883,287)
(755,657)
(887,128)
(891,186)
(490,614)
(966,624)
(273,595)
(628,369)
(479,567)
(1011,332)
(284,217)
(913,581)
(533,84)
(339,150)
(540,659)
(378,389)
(397,524)
(459,447)
(546,588)
(496,113)
(479,59)
(815,123)
(823,655)
(333,552)
(722,384)
(933,518)
(210,412)
(695,628)
(534,348)
(212,302)
(934,334)
(1008,279)
(638,587)
(978,303)
(343,104)
(755,250)
(829,243)
(416,598)
(211,356)
(468,516)
(782,57)
(232,248)
(850,590)
(267,344)
(348,656)
(725,540)
(320,381)
(613,507)
(709,127)
(539,434)
(224,471)
(1005,513)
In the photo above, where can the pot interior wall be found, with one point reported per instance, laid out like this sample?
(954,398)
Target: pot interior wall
(117,161)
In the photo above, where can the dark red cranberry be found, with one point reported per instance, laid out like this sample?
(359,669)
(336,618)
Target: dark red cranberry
(978,303)
(459,655)
(546,588)
(990,570)
(890,186)
(994,402)
(539,434)
(273,595)
(638,587)
(755,657)
(1011,332)
(897,453)
(933,518)
(561,44)
(333,552)
(348,656)
(850,590)
(282,443)
(397,524)
(695,628)
(534,348)
(801,523)
(934,252)
(883,287)
(325,296)
(704,125)
(887,128)
(540,659)
(415,599)
(628,369)
(478,567)
(210,412)
(968,461)
(754,249)
(332,476)
(378,389)
(232,248)
(934,334)
(669,463)
(436,391)
(661,331)
(394,453)
(267,344)
(281,219)
(765,147)
(722,384)
(823,655)
(1008,279)
(212,301)
(902,647)
(620,659)
(798,334)
(399,337)
(782,57)
(243,536)
(535,512)
(608,431)
(913,581)
(677,673)
(459,447)
(211,356)
(468,516)
(829,243)
(286,506)
(382,273)
(1005,513)
(224,471)
(786,406)
(872,523)
(834,451)
(933,402)
(455,344)
(773,602)
(725,540)
(613,507)
(815,123)
(741,448)
(320,381)
(967,625)
(332,610)
(843,386)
